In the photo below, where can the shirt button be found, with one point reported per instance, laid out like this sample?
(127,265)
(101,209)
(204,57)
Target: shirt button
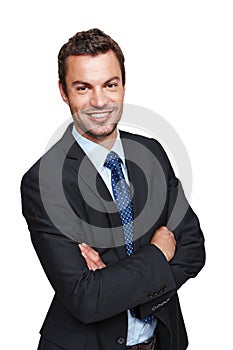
(120,341)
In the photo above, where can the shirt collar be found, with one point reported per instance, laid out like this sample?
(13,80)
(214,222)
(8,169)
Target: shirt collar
(97,153)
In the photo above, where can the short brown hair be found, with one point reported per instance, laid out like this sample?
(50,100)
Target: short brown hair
(91,42)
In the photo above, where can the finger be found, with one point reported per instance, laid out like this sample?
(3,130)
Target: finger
(171,234)
(90,264)
(161,229)
(173,237)
(92,257)
(88,250)
(93,266)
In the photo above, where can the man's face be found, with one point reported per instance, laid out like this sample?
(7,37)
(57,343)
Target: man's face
(94,94)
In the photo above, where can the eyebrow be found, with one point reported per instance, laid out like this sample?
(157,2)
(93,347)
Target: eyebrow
(80,82)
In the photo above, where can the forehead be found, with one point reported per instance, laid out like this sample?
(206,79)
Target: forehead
(92,68)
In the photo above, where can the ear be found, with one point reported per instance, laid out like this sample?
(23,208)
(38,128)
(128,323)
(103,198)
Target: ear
(63,94)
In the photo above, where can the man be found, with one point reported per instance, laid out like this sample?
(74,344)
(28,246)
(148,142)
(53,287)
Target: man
(97,205)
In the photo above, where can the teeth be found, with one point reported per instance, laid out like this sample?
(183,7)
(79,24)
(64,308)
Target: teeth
(99,115)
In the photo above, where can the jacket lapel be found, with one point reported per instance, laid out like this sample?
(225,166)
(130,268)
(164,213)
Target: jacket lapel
(138,184)
(96,191)
(100,195)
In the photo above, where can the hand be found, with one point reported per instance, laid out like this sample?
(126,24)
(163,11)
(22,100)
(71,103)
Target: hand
(92,258)
(165,241)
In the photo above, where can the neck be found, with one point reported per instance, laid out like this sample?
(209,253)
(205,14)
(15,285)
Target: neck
(106,141)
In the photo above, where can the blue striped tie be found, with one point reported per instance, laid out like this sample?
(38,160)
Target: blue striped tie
(122,199)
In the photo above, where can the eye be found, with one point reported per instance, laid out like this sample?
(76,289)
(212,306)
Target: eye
(82,88)
(112,85)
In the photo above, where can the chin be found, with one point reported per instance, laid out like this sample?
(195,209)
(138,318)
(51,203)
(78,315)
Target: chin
(99,134)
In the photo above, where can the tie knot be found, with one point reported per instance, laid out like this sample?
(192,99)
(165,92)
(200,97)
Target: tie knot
(112,161)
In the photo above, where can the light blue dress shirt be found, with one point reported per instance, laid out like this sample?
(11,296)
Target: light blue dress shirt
(138,331)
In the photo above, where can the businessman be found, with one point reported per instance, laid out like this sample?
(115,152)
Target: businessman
(99,206)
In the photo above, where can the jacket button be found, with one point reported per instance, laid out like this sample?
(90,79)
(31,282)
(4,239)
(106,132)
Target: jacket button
(121,341)
(150,295)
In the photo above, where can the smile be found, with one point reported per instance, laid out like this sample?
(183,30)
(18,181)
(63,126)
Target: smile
(100,115)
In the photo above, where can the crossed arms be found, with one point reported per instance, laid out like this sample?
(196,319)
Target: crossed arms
(162,238)
(91,292)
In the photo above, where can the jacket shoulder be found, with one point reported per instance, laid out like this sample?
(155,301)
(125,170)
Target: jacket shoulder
(55,153)
(152,144)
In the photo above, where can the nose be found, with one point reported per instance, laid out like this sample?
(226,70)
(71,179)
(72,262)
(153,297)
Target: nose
(99,98)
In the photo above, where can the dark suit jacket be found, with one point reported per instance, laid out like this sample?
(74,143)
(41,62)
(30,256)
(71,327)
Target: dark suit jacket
(62,208)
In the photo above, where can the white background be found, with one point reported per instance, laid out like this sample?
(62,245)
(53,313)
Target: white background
(179,63)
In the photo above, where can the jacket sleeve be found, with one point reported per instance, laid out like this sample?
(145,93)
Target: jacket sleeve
(183,222)
(189,257)
(91,296)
